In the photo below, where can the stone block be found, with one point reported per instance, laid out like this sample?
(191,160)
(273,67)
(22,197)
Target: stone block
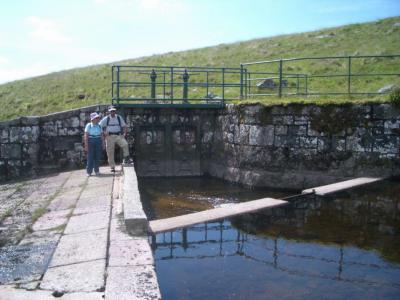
(87,222)
(301,120)
(93,204)
(4,135)
(133,283)
(29,134)
(15,134)
(135,219)
(255,135)
(308,142)
(281,130)
(297,130)
(385,111)
(11,151)
(29,121)
(268,135)
(76,248)
(132,252)
(244,133)
(81,277)
(51,220)
(389,125)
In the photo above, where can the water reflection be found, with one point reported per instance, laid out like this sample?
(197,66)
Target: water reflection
(343,247)
(313,262)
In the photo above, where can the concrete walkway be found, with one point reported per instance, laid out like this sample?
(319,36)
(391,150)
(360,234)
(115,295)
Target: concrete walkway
(79,248)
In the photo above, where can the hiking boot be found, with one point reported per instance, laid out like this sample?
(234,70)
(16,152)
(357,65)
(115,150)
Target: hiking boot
(112,170)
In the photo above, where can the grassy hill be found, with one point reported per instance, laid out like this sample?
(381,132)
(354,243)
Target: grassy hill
(91,85)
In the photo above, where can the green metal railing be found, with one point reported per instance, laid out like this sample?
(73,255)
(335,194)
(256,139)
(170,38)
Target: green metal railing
(352,77)
(156,86)
(159,86)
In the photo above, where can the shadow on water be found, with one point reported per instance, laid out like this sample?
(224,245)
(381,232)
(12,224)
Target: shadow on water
(345,246)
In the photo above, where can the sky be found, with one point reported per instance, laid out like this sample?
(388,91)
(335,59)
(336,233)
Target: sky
(42,36)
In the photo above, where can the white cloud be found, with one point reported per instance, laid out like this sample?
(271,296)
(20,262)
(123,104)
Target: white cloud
(11,74)
(45,30)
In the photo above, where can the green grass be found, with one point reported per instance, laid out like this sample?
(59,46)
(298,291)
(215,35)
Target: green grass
(38,213)
(92,85)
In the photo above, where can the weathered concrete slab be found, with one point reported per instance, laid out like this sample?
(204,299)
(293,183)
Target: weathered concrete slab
(97,191)
(213,214)
(77,179)
(87,222)
(24,262)
(11,293)
(130,253)
(340,186)
(75,248)
(65,199)
(51,220)
(94,204)
(81,277)
(132,282)
(135,219)
(41,237)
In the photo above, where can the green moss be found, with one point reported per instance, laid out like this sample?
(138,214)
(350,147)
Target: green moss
(333,119)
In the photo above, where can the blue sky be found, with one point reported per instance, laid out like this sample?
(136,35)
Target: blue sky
(42,36)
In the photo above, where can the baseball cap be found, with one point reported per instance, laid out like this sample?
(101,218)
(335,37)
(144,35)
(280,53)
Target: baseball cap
(111,108)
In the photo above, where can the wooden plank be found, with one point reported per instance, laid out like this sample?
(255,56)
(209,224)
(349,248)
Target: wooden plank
(168,224)
(340,186)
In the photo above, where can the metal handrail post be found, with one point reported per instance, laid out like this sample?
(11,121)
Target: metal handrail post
(153,77)
(112,84)
(245,88)
(349,77)
(223,85)
(280,78)
(172,85)
(241,81)
(118,85)
(185,78)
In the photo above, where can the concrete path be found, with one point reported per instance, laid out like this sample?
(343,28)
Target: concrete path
(76,246)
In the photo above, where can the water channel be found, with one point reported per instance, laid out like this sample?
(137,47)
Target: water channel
(341,247)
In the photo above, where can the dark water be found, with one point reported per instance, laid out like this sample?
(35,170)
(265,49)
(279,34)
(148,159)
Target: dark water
(341,247)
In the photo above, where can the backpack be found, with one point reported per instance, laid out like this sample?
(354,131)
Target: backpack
(119,121)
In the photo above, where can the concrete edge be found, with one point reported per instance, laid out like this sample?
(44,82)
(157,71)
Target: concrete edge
(136,221)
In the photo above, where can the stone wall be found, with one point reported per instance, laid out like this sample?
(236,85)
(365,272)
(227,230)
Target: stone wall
(32,145)
(296,146)
(305,145)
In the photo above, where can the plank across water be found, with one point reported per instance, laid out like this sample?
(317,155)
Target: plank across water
(340,186)
(209,215)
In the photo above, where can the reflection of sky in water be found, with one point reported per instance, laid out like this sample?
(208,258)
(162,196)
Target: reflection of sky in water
(220,261)
(244,266)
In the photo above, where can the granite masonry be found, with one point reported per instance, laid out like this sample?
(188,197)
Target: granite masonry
(294,146)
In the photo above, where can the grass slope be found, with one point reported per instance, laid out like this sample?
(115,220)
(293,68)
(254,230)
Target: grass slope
(91,85)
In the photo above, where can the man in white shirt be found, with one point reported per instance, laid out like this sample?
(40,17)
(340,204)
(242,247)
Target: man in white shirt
(116,131)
